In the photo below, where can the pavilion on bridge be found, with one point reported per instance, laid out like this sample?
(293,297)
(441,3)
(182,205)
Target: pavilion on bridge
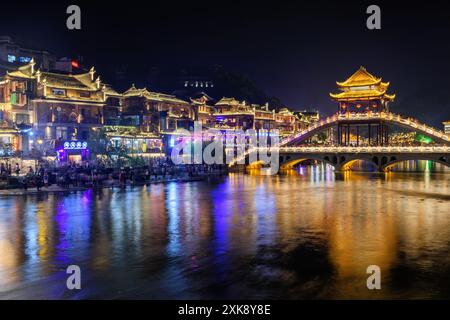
(362,92)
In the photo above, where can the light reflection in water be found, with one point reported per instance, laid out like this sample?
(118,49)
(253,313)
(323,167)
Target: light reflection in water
(309,233)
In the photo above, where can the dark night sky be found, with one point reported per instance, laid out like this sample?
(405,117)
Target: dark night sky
(291,50)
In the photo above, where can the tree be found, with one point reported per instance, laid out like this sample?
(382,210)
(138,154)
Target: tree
(97,141)
(6,150)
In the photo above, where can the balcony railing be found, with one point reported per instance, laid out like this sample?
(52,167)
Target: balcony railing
(67,119)
(90,120)
(61,119)
(122,122)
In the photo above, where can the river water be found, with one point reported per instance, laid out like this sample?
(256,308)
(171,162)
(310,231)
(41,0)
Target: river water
(304,234)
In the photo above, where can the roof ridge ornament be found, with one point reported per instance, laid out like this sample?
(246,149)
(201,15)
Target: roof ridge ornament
(92,73)
(32,64)
(38,75)
(98,82)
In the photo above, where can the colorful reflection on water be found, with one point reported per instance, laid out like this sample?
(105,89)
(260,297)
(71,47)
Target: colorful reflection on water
(309,233)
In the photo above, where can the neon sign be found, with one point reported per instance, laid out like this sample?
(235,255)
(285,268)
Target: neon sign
(75,145)
(24,59)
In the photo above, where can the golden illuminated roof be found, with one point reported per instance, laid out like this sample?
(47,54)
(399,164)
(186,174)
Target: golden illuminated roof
(83,81)
(153,96)
(227,101)
(25,72)
(362,86)
(109,91)
(67,81)
(363,94)
(360,78)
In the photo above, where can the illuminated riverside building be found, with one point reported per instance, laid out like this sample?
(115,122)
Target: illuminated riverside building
(202,108)
(264,118)
(362,93)
(144,120)
(58,107)
(156,112)
(46,111)
(232,114)
(288,123)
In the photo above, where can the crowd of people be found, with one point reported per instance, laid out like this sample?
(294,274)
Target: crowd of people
(100,173)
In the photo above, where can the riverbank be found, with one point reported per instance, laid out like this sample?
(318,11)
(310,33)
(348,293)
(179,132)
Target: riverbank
(106,184)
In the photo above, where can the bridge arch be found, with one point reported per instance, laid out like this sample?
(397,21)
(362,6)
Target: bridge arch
(256,165)
(288,162)
(347,164)
(389,165)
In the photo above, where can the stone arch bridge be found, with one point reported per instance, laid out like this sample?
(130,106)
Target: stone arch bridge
(342,158)
(292,152)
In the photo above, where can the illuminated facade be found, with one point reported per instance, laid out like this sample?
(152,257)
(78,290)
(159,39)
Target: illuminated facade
(143,117)
(230,113)
(264,118)
(362,93)
(288,123)
(447,127)
(41,111)
(202,109)
(156,112)
(57,107)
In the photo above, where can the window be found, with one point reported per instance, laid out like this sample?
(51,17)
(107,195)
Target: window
(22,118)
(84,94)
(61,133)
(48,133)
(59,92)
(13,98)
(24,59)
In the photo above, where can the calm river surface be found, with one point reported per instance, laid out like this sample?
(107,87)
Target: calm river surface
(308,234)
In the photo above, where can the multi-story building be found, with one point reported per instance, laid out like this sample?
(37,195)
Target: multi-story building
(232,114)
(286,121)
(58,107)
(264,118)
(145,119)
(202,109)
(61,113)
(13,55)
(156,112)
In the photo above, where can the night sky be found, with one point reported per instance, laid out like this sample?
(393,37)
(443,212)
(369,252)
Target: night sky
(292,50)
